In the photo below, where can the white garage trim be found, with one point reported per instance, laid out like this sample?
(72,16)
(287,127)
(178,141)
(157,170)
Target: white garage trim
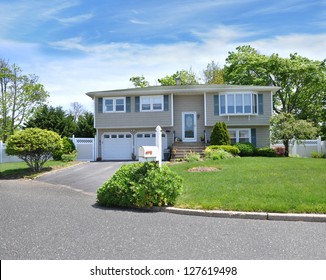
(117,146)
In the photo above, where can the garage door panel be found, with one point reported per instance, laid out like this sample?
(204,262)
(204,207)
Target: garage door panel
(117,146)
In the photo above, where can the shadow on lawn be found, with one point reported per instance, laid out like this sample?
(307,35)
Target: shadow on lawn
(14,174)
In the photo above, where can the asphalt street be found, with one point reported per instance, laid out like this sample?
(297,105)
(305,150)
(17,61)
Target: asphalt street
(40,220)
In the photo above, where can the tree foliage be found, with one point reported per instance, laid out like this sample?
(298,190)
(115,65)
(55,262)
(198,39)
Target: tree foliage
(53,118)
(285,127)
(213,74)
(139,81)
(19,96)
(34,146)
(185,77)
(220,135)
(85,126)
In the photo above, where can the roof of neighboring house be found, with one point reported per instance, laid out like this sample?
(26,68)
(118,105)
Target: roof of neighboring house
(183,89)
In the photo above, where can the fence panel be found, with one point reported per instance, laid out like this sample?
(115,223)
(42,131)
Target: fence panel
(4,157)
(85,148)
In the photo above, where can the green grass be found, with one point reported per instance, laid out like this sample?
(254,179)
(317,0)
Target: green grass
(17,170)
(296,185)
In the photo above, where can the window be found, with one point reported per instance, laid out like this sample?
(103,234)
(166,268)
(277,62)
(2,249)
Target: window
(240,136)
(151,103)
(238,104)
(115,104)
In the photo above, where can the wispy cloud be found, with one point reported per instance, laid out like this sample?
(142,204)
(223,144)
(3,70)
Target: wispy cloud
(75,19)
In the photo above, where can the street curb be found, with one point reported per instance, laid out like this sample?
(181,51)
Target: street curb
(243,215)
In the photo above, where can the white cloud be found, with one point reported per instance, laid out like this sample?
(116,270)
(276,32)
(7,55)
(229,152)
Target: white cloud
(109,66)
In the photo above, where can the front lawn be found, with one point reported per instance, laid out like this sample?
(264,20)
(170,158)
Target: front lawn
(295,185)
(16,170)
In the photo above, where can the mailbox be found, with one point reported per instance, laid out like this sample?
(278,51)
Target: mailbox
(147,153)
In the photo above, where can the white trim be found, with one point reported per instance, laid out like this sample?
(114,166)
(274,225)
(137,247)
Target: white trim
(195,127)
(172,110)
(205,111)
(237,133)
(114,104)
(151,97)
(226,94)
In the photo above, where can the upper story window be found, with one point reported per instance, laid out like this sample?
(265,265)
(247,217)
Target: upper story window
(238,103)
(151,103)
(114,104)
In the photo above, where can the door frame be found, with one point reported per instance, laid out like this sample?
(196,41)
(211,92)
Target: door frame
(194,139)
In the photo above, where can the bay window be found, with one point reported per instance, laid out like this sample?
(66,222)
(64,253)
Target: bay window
(238,103)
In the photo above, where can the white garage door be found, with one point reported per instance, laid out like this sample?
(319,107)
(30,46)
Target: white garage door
(148,139)
(117,146)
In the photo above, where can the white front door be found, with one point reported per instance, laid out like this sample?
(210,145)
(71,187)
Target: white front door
(189,126)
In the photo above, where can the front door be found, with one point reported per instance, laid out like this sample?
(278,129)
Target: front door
(189,127)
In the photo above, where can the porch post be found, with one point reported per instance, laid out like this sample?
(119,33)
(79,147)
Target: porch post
(159,145)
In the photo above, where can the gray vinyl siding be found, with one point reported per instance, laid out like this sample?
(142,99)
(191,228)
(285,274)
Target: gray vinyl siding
(262,134)
(188,103)
(262,119)
(132,119)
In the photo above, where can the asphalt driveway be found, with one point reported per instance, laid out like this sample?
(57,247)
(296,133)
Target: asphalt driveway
(86,176)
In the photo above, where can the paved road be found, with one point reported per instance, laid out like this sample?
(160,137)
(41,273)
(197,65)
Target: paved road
(39,220)
(87,176)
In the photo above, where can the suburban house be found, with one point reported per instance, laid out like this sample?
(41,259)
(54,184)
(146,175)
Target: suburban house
(126,119)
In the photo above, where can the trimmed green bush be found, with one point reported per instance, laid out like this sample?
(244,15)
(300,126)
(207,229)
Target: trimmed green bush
(228,148)
(246,149)
(69,157)
(140,185)
(190,157)
(68,147)
(265,152)
(220,134)
(216,154)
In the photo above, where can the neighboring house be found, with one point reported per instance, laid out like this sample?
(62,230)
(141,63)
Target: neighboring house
(126,119)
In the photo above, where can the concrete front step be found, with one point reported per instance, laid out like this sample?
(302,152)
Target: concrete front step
(181,149)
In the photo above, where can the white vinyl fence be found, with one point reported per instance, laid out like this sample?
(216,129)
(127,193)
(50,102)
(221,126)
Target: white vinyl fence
(305,147)
(84,146)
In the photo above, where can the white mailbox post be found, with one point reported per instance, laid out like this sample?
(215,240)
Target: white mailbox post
(159,145)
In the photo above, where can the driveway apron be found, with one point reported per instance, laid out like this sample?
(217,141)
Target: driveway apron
(86,177)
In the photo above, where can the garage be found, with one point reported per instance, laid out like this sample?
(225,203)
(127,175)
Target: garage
(148,139)
(117,146)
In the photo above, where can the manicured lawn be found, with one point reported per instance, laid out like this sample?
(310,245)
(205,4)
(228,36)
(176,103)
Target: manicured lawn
(16,170)
(295,185)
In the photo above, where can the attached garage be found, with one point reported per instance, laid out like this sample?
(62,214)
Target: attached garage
(117,146)
(148,139)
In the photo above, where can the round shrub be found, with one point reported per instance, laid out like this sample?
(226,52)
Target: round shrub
(246,149)
(140,185)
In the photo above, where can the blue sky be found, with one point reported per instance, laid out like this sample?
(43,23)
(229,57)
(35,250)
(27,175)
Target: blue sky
(79,46)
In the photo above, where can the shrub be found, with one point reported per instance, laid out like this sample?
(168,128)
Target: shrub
(68,147)
(315,154)
(246,149)
(265,152)
(35,146)
(141,185)
(69,157)
(220,135)
(228,148)
(279,150)
(216,154)
(190,157)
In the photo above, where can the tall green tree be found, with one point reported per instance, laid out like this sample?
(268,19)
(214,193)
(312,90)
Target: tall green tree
(185,78)
(213,74)
(54,119)
(302,80)
(85,126)
(20,95)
